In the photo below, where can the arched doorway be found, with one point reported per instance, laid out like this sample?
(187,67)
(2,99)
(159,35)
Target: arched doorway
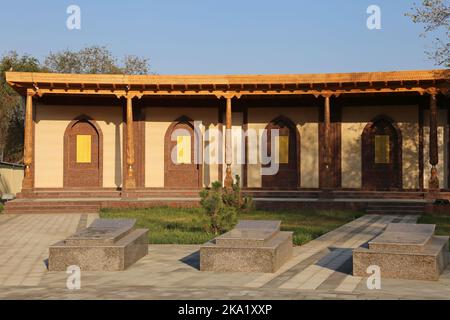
(83,154)
(181,171)
(288,174)
(381,155)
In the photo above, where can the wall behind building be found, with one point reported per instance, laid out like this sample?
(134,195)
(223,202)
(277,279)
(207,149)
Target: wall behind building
(306,120)
(355,119)
(51,122)
(158,120)
(11,177)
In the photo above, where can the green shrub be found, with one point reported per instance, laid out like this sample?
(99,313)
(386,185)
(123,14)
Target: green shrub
(222,206)
(235,198)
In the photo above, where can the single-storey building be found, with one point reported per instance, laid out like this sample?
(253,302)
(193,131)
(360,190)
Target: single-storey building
(312,136)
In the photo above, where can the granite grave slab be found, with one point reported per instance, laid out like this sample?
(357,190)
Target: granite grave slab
(106,245)
(252,246)
(404,251)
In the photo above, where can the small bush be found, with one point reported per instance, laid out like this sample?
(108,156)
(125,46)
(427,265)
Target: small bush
(235,198)
(222,206)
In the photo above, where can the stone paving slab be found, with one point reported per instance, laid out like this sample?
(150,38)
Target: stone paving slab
(318,247)
(318,269)
(24,241)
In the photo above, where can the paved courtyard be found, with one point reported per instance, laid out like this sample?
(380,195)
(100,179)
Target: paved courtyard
(319,270)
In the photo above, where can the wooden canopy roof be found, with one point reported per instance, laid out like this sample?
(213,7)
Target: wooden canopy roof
(235,85)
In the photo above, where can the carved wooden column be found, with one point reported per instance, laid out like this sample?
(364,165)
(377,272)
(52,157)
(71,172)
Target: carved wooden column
(326,161)
(130,179)
(433,183)
(327,143)
(27,182)
(228,145)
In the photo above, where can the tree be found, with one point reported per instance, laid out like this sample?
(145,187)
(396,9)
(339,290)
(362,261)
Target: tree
(219,215)
(94,59)
(435,15)
(135,65)
(11,105)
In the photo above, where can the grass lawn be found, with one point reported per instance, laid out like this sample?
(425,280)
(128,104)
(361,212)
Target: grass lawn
(184,226)
(442,223)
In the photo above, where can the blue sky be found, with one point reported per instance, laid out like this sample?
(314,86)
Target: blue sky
(229,37)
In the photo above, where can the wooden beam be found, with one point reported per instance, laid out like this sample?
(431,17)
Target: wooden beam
(80,91)
(422,75)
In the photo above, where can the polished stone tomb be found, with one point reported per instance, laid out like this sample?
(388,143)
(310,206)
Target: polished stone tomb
(404,251)
(106,245)
(252,246)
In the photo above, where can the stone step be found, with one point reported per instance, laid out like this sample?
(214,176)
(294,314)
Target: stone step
(31,206)
(152,193)
(69,194)
(378,195)
(165,194)
(51,210)
(374,207)
(282,194)
(51,194)
(26,206)
(53,204)
(62,206)
(335,194)
(394,212)
(396,205)
(402,208)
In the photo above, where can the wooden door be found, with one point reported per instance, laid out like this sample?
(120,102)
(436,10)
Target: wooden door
(82,148)
(287,176)
(181,171)
(381,157)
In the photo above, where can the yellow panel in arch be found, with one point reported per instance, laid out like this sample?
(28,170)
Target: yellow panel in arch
(83,148)
(283,149)
(183,149)
(382,149)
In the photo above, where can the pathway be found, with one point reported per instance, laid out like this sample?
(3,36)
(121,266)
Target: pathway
(320,269)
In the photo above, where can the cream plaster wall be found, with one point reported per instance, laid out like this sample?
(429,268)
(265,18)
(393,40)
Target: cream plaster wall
(51,123)
(158,120)
(306,119)
(354,120)
(11,178)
